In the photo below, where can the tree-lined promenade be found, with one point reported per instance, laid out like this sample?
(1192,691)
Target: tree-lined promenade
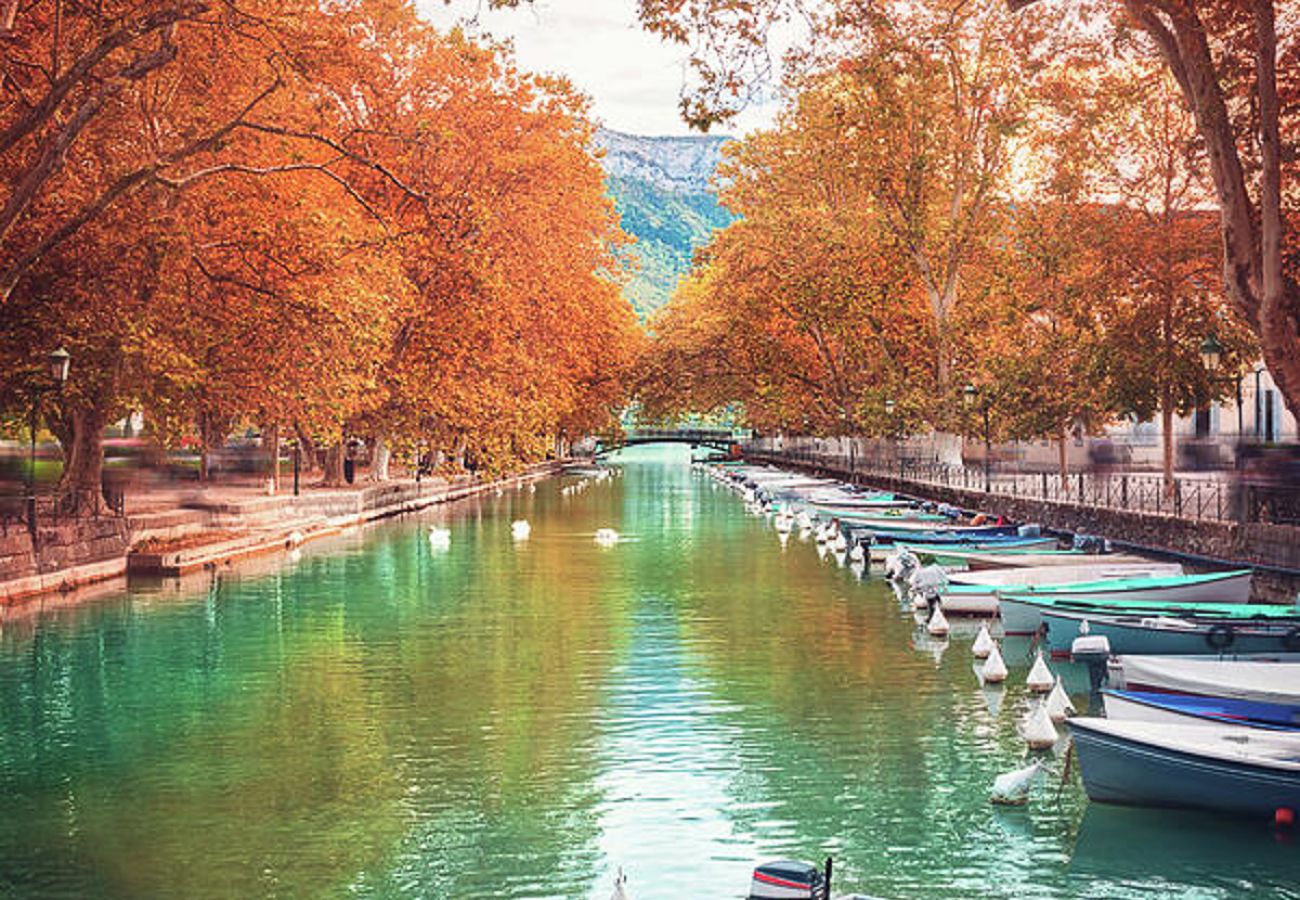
(1029,220)
(323,221)
(331,222)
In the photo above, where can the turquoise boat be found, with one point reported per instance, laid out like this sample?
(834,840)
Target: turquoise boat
(955,554)
(1022,606)
(1186,632)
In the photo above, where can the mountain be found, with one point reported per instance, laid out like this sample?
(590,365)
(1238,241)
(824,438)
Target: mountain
(661,188)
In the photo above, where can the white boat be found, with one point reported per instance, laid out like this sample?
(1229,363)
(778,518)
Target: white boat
(1053,574)
(1262,680)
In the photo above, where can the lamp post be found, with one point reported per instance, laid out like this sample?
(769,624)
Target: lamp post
(1211,356)
(890,409)
(58,363)
(970,394)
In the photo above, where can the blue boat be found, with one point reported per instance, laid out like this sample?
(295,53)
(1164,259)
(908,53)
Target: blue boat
(1182,709)
(1220,767)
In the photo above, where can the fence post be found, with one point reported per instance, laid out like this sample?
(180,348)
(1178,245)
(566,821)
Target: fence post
(1123,492)
(1178,498)
(1082,499)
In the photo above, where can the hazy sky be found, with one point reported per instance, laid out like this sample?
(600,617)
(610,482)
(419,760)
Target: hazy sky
(633,77)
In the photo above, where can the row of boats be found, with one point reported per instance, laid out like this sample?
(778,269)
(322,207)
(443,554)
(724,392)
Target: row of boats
(1202,687)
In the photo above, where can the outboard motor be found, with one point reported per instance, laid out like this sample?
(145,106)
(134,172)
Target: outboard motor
(1091,543)
(1093,650)
(790,879)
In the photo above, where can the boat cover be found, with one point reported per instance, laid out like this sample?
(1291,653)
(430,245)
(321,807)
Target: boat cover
(1265,681)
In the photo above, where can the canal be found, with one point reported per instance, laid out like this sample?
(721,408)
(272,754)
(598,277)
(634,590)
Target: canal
(381,717)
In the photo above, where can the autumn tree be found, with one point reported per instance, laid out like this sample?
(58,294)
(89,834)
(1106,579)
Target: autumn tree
(1235,64)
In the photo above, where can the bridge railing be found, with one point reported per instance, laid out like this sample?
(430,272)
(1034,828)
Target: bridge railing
(680,435)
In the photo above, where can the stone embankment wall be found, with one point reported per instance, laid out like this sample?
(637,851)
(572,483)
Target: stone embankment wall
(82,551)
(1273,549)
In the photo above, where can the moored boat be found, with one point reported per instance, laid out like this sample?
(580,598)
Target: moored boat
(1272,679)
(1252,628)
(977,560)
(1226,768)
(1188,709)
(1023,605)
(1095,569)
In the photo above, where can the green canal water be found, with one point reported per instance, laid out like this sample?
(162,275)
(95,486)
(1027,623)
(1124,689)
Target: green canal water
(379,718)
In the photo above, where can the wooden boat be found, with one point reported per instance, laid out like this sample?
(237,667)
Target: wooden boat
(991,544)
(1225,768)
(1022,606)
(953,554)
(1219,587)
(1099,570)
(981,598)
(1189,709)
(1250,628)
(978,561)
(1271,679)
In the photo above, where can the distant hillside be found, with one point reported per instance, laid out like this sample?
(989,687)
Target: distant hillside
(661,188)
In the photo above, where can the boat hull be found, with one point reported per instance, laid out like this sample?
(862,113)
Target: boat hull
(1184,709)
(1065,574)
(1023,614)
(1130,634)
(1120,770)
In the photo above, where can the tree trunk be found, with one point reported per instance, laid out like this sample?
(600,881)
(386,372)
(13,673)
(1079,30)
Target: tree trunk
(307,455)
(83,468)
(334,465)
(379,462)
(1063,457)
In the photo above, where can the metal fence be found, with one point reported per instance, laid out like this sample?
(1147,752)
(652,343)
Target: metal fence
(1197,498)
(53,507)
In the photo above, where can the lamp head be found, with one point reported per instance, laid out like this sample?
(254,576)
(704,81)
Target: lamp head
(59,362)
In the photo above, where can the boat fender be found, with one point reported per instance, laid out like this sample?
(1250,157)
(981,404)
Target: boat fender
(1291,640)
(1220,636)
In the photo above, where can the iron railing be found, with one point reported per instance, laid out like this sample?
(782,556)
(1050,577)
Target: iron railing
(1198,498)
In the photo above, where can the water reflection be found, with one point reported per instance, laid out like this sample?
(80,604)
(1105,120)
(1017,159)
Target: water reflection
(516,719)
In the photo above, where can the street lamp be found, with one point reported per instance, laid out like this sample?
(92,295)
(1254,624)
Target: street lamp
(1211,356)
(1211,352)
(969,394)
(58,363)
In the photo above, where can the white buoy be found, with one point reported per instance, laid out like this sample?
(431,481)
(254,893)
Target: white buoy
(1040,677)
(294,538)
(994,670)
(1058,703)
(1038,731)
(520,529)
(938,623)
(606,537)
(1012,788)
(439,537)
(983,645)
